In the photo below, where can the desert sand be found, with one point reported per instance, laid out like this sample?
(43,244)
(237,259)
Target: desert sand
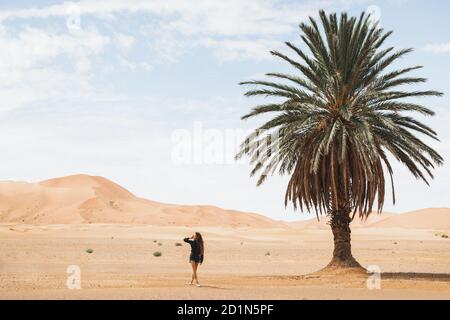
(46,227)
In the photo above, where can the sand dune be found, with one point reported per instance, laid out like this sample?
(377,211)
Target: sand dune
(88,199)
(432,219)
(356,223)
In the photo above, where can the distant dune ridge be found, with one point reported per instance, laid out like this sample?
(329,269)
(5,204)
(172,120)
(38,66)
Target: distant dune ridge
(82,199)
(91,199)
(432,218)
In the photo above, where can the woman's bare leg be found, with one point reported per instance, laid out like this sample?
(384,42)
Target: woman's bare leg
(194,268)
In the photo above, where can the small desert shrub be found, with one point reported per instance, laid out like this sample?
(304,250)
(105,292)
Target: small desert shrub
(178,244)
(441,235)
(267,253)
(155,241)
(159,244)
(89,250)
(157,254)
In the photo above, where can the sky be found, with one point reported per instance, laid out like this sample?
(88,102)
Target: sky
(146,94)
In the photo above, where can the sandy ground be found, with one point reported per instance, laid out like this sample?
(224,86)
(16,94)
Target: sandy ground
(240,263)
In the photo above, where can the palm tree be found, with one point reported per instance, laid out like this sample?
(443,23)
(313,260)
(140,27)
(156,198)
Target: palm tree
(336,121)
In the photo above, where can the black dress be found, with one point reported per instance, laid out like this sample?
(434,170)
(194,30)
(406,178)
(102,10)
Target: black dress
(196,255)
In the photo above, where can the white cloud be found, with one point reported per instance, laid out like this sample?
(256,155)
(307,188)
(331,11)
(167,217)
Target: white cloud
(133,66)
(39,62)
(229,49)
(29,71)
(24,50)
(40,86)
(30,66)
(438,48)
(165,44)
(233,17)
(124,41)
(181,24)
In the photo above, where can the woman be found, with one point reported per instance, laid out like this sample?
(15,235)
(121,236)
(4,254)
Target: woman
(196,257)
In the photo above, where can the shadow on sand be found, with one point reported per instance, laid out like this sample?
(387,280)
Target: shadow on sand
(416,276)
(325,275)
(213,287)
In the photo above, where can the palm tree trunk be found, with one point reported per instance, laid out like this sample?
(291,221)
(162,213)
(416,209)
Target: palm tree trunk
(342,254)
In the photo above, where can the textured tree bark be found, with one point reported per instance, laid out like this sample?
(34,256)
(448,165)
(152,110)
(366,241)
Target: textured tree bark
(342,253)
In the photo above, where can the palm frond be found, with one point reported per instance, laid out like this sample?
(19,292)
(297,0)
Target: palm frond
(341,114)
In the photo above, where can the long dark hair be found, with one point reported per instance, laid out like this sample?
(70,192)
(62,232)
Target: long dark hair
(201,245)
